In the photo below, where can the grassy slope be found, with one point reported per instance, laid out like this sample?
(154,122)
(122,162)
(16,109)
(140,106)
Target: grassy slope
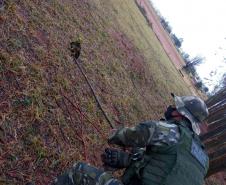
(48,117)
(129,19)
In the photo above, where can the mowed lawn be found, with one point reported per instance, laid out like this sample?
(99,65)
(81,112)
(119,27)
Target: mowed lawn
(48,116)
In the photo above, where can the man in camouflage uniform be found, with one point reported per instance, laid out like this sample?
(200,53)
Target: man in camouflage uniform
(164,152)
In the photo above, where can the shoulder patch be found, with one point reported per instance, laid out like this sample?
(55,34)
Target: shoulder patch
(166,124)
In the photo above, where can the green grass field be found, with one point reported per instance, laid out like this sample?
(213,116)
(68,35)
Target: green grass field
(48,116)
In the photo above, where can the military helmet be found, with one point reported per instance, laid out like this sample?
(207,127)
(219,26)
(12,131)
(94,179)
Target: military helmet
(193,108)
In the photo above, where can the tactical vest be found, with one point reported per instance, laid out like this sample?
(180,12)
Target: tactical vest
(184,163)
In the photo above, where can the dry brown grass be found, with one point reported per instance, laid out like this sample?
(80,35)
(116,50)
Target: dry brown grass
(48,117)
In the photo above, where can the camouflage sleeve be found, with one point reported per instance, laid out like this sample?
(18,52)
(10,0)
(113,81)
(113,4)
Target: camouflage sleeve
(138,136)
(83,174)
(158,133)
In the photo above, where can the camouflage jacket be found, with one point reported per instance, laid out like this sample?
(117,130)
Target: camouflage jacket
(158,133)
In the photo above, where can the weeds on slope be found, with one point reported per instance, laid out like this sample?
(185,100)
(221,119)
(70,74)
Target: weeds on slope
(48,117)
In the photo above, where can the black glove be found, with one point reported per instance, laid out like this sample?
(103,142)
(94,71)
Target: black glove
(116,158)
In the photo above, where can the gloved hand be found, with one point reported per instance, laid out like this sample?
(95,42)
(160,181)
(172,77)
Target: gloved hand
(116,158)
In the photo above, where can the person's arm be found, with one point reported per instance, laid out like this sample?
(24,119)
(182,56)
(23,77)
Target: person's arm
(151,133)
(82,173)
(138,136)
